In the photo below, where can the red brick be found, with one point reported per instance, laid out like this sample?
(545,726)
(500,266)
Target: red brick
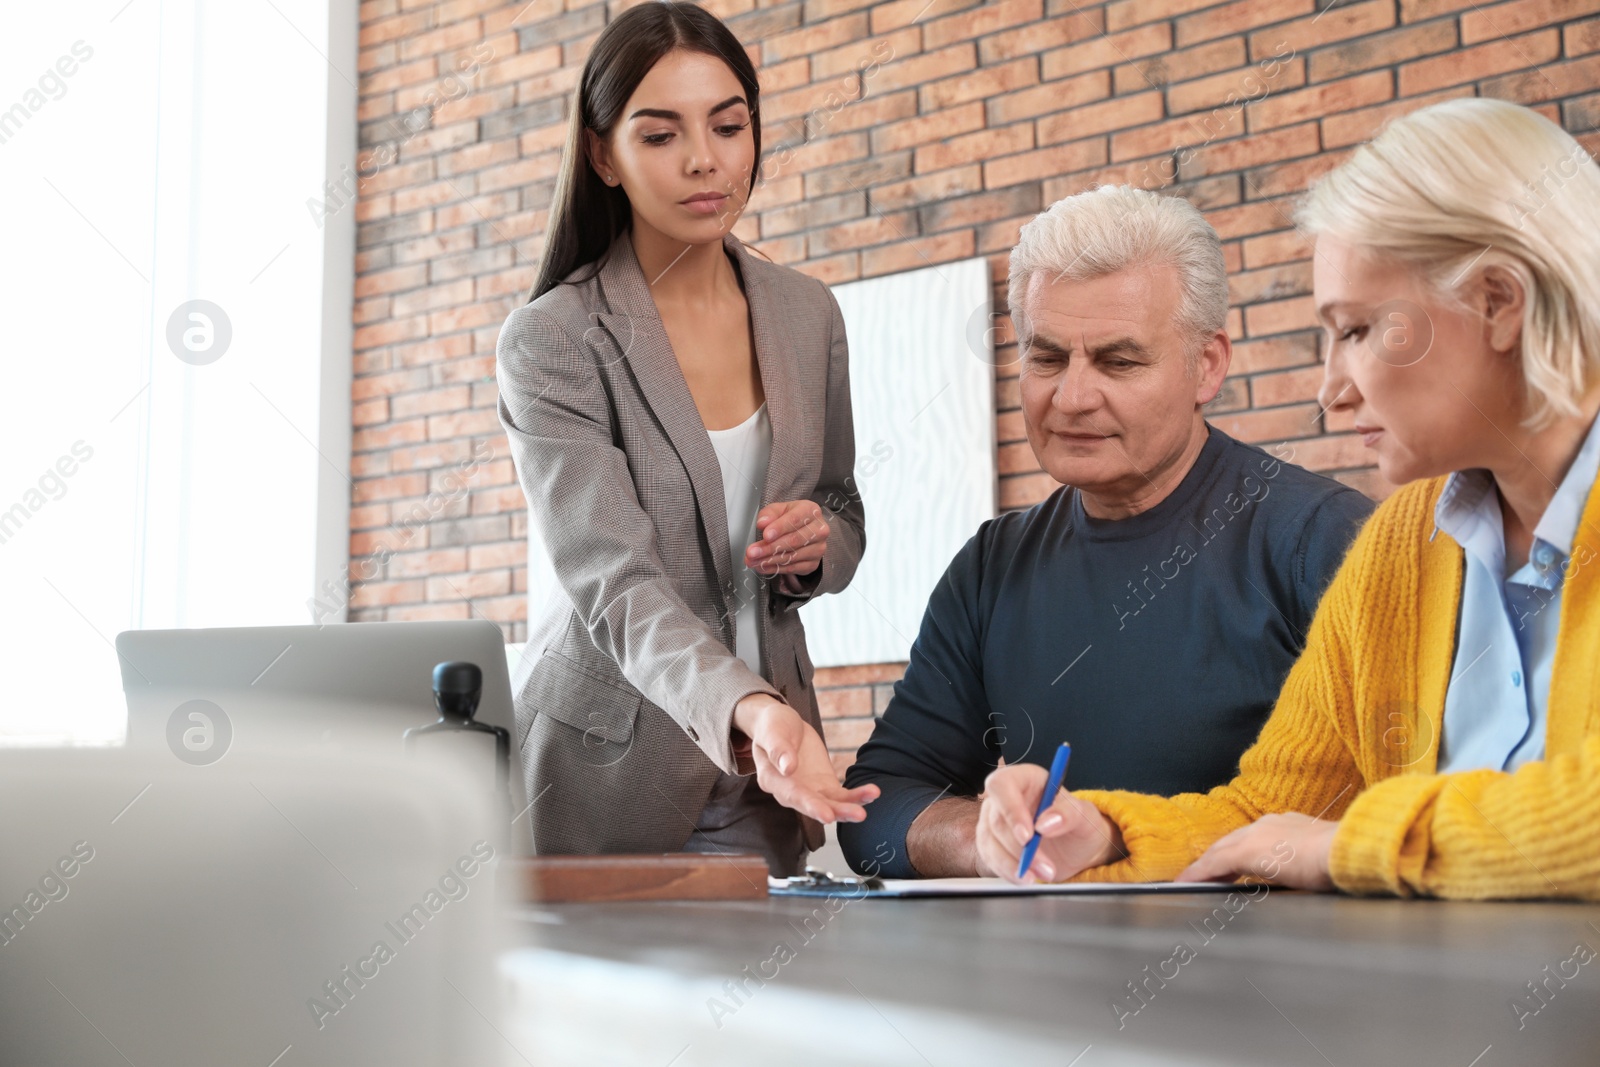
(1484,23)
(388,435)
(1115,114)
(1297,176)
(872,230)
(1236,88)
(866,674)
(1363,90)
(1051,96)
(1105,51)
(1247,219)
(1286,387)
(1236,17)
(1270,283)
(1254,150)
(956,181)
(1125,13)
(1036,37)
(1479,62)
(895,13)
(1280,316)
(468,586)
(1581,38)
(982,145)
(980,21)
(1337,23)
(1193,130)
(1171,68)
(848,733)
(424,563)
(1044,163)
(370,594)
(1016,458)
(1351,127)
(1025,490)
(916,70)
(928,129)
(1280,247)
(917,253)
(427,612)
(844,267)
(811,40)
(1271,424)
(1382,50)
(772,78)
(1546,83)
(978,85)
(1340,452)
(856,55)
(844,703)
(504,554)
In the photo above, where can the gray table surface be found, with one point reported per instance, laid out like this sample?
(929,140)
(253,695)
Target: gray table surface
(1287,978)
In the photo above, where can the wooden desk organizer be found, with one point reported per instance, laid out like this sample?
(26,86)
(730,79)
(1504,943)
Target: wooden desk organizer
(644,876)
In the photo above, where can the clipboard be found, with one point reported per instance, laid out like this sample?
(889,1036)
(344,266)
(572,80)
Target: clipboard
(815,883)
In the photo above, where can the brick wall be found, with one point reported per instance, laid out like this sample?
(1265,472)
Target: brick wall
(899,134)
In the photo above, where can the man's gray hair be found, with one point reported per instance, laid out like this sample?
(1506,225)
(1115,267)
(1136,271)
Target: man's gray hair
(1112,227)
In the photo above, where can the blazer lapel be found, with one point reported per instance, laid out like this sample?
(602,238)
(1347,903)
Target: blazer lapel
(778,379)
(636,327)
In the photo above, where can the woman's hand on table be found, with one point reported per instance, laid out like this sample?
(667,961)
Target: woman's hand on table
(1074,835)
(1290,850)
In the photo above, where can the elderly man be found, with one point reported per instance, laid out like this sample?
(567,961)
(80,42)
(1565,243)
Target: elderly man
(1149,609)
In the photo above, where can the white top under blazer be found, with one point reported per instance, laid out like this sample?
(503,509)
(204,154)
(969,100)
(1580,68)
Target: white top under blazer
(743,451)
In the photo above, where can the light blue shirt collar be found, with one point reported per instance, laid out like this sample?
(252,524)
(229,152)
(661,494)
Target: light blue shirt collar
(1469,511)
(1496,704)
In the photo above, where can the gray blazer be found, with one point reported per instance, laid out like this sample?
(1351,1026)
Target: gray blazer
(625,701)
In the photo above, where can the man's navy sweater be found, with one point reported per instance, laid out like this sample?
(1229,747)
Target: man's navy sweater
(1155,644)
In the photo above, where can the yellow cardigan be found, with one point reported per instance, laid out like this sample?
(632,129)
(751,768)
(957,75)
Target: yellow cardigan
(1354,737)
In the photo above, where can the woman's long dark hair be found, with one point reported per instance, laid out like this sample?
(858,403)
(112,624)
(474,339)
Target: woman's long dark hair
(586,214)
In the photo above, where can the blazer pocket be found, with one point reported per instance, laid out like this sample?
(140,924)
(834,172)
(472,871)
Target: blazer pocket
(568,694)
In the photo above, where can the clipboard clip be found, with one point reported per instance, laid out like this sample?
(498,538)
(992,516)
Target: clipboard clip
(819,881)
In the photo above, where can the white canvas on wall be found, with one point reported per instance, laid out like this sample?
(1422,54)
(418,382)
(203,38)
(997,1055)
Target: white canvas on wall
(922,390)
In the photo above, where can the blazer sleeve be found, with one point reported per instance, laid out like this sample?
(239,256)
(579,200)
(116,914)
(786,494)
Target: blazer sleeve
(557,416)
(836,490)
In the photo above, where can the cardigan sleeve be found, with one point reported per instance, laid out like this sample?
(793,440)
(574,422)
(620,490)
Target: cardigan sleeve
(1301,762)
(1477,834)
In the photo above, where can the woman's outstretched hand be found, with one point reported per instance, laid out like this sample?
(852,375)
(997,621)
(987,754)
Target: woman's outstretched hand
(791,762)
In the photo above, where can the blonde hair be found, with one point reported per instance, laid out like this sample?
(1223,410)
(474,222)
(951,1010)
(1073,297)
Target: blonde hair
(1472,183)
(1112,227)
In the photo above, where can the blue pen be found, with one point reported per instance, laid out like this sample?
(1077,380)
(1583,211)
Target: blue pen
(1058,771)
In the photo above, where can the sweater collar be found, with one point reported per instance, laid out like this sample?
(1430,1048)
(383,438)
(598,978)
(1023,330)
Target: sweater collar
(1159,517)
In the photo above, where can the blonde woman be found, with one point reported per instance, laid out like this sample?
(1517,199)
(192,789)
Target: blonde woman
(1441,733)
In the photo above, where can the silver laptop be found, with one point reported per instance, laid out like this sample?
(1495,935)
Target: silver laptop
(203,693)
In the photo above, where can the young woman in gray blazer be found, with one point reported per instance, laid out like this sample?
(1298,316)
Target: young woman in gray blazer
(679,413)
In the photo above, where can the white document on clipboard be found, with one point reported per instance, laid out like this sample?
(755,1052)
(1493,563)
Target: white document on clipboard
(819,884)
